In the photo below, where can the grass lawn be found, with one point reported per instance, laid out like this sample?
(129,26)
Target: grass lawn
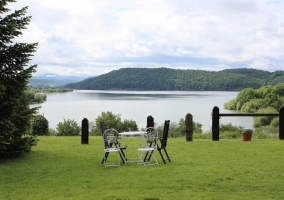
(63,168)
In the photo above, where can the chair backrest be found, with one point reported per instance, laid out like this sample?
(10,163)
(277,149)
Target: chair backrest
(149,138)
(110,137)
(165,133)
(103,128)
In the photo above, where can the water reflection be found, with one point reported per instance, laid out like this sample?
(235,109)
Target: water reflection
(140,95)
(137,105)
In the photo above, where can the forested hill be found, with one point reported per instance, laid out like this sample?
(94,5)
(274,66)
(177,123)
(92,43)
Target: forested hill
(176,79)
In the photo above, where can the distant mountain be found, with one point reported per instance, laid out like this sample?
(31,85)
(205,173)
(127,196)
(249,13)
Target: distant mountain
(52,80)
(176,79)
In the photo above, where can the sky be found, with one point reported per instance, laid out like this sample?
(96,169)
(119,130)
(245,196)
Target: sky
(94,37)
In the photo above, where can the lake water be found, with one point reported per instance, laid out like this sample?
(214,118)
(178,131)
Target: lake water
(137,105)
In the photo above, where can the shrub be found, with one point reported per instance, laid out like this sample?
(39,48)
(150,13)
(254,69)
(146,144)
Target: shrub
(260,135)
(230,135)
(128,125)
(68,128)
(228,127)
(275,122)
(179,129)
(40,125)
(199,135)
(52,132)
(112,121)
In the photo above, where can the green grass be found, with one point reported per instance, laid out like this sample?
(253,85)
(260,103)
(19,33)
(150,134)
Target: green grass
(63,168)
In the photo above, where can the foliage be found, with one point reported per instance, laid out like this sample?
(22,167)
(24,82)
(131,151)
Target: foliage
(40,125)
(112,121)
(266,99)
(247,131)
(51,89)
(68,128)
(176,79)
(179,129)
(227,131)
(264,121)
(35,97)
(15,115)
(52,132)
(230,128)
(128,125)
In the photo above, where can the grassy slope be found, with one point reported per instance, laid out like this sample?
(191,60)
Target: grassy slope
(62,168)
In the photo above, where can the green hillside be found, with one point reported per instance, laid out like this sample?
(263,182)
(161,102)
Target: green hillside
(176,79)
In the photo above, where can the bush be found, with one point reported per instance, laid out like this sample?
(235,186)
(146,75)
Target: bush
(52,132)
(228,127)
(40,125)
(179,129)
(260,135)
(112,121)
(230,135)
(199,135)
(68,128)
(128,125)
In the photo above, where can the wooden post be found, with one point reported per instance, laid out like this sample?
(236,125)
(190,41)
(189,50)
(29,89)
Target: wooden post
(189,127)
(281,123)
(85,131)
(150,121)
(215,124)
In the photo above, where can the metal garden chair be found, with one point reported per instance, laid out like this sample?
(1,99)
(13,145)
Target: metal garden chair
(148,145)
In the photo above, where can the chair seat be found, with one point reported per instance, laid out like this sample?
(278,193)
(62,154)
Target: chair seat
(147,149)
(112,150)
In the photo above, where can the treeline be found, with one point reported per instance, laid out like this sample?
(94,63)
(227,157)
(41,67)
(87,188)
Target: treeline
(266,99)
(51,89)
(183,80)
(36,95)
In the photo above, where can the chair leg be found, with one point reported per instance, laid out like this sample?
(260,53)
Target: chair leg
(111,163)
(146,156)
(142,159)
(121,154)
(162,156)
(105,157)
(168,158)
(124,154)
(150,154)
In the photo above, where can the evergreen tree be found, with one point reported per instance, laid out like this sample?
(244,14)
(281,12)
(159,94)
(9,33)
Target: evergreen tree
(15,114)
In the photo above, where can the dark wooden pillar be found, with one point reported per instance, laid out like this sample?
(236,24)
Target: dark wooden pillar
(188,127)
(281,123)
(215,123)
(85,131)
(150,121)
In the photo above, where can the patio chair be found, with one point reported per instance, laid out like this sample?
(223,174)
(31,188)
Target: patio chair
(116,142)
(162,142)
(109,138)
(148,145)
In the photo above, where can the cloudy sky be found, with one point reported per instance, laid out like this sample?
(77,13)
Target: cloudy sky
(93,37)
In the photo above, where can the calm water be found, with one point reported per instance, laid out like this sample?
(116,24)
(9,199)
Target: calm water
(137,105)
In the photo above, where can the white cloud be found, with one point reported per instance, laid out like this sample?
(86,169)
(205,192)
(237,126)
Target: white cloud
(208,35)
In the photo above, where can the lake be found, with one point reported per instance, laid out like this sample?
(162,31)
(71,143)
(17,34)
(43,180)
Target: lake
(137,105)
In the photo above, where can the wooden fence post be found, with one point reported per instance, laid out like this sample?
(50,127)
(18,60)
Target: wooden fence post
(189,127)
(281,123)
(150,121)
(215,124)
(85,131)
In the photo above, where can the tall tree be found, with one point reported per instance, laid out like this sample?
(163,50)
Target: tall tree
(15,114)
